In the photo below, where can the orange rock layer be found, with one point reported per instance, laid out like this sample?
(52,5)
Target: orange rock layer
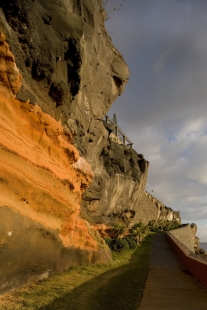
(42,175)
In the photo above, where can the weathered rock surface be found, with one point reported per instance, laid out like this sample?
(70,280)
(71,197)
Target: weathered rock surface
(117,192)
(73,71)
(42,178)
(69,66)
(67,59)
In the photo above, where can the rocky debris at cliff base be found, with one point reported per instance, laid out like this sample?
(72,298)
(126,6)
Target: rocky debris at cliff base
(201,252)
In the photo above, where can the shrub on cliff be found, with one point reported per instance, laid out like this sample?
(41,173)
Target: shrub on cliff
(110,8)
(120,244)
(117,244)
(108,242)
(136,233)
(172,225)
(131,241)
(162,225)
(118,229)
(169,225)
(139,231)
(132,238)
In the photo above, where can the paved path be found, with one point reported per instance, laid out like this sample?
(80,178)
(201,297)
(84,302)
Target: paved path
(169,286)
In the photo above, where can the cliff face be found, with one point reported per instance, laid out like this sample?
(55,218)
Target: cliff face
(117,192)
(42,178)
(59,154)
(71,68)
(68,62)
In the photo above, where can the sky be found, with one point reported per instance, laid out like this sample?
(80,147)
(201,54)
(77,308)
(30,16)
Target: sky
(163,109)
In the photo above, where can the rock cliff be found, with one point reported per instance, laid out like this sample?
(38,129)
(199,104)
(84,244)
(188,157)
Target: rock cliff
(42,178)
(57,153)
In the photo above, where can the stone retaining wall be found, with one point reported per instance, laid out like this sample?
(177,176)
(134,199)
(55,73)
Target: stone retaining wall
(186,236)
(196,266)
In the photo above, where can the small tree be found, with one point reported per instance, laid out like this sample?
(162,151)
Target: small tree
(118,229)
(140,231)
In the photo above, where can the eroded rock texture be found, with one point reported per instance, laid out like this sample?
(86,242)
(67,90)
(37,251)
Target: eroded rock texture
(67,59)
(42,178)
(69,66)
(117,192)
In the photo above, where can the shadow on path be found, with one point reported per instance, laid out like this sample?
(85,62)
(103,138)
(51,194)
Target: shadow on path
(169,285)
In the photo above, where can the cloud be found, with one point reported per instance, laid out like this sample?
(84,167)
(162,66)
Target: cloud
(163,58)
(163,108)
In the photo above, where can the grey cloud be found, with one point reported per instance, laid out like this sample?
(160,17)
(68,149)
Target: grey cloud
(182,81)
(165,45)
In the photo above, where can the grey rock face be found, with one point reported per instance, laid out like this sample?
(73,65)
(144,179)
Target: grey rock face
(68,62)
(72,70)
(194,229)
(117,191)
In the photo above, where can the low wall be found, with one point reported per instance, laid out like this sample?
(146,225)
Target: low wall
(196,266)
(186,236)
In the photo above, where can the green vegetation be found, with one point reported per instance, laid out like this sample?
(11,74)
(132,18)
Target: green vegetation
(136,234)
(118,229)
(139,231)
(163,225)
(120,244)
(117,285)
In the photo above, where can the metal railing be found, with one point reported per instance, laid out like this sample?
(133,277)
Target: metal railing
(118,132)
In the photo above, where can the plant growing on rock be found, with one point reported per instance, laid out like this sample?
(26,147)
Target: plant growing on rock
(135,235)
(139,231)
(118,229)
(162,225)
(156,226)
(131,240)
(119,244)
(110,10)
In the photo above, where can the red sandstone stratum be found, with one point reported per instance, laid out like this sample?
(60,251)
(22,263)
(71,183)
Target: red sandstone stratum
(42,175)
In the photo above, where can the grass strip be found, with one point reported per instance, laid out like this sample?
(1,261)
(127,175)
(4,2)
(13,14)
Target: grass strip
(117,285)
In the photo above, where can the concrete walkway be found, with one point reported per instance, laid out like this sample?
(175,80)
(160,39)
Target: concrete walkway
(169,286)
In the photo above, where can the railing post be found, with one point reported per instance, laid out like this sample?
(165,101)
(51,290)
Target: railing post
(118,132)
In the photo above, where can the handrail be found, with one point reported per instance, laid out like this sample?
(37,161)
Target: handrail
(118,131)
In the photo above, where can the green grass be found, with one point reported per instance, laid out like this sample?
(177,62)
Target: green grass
(117,285)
